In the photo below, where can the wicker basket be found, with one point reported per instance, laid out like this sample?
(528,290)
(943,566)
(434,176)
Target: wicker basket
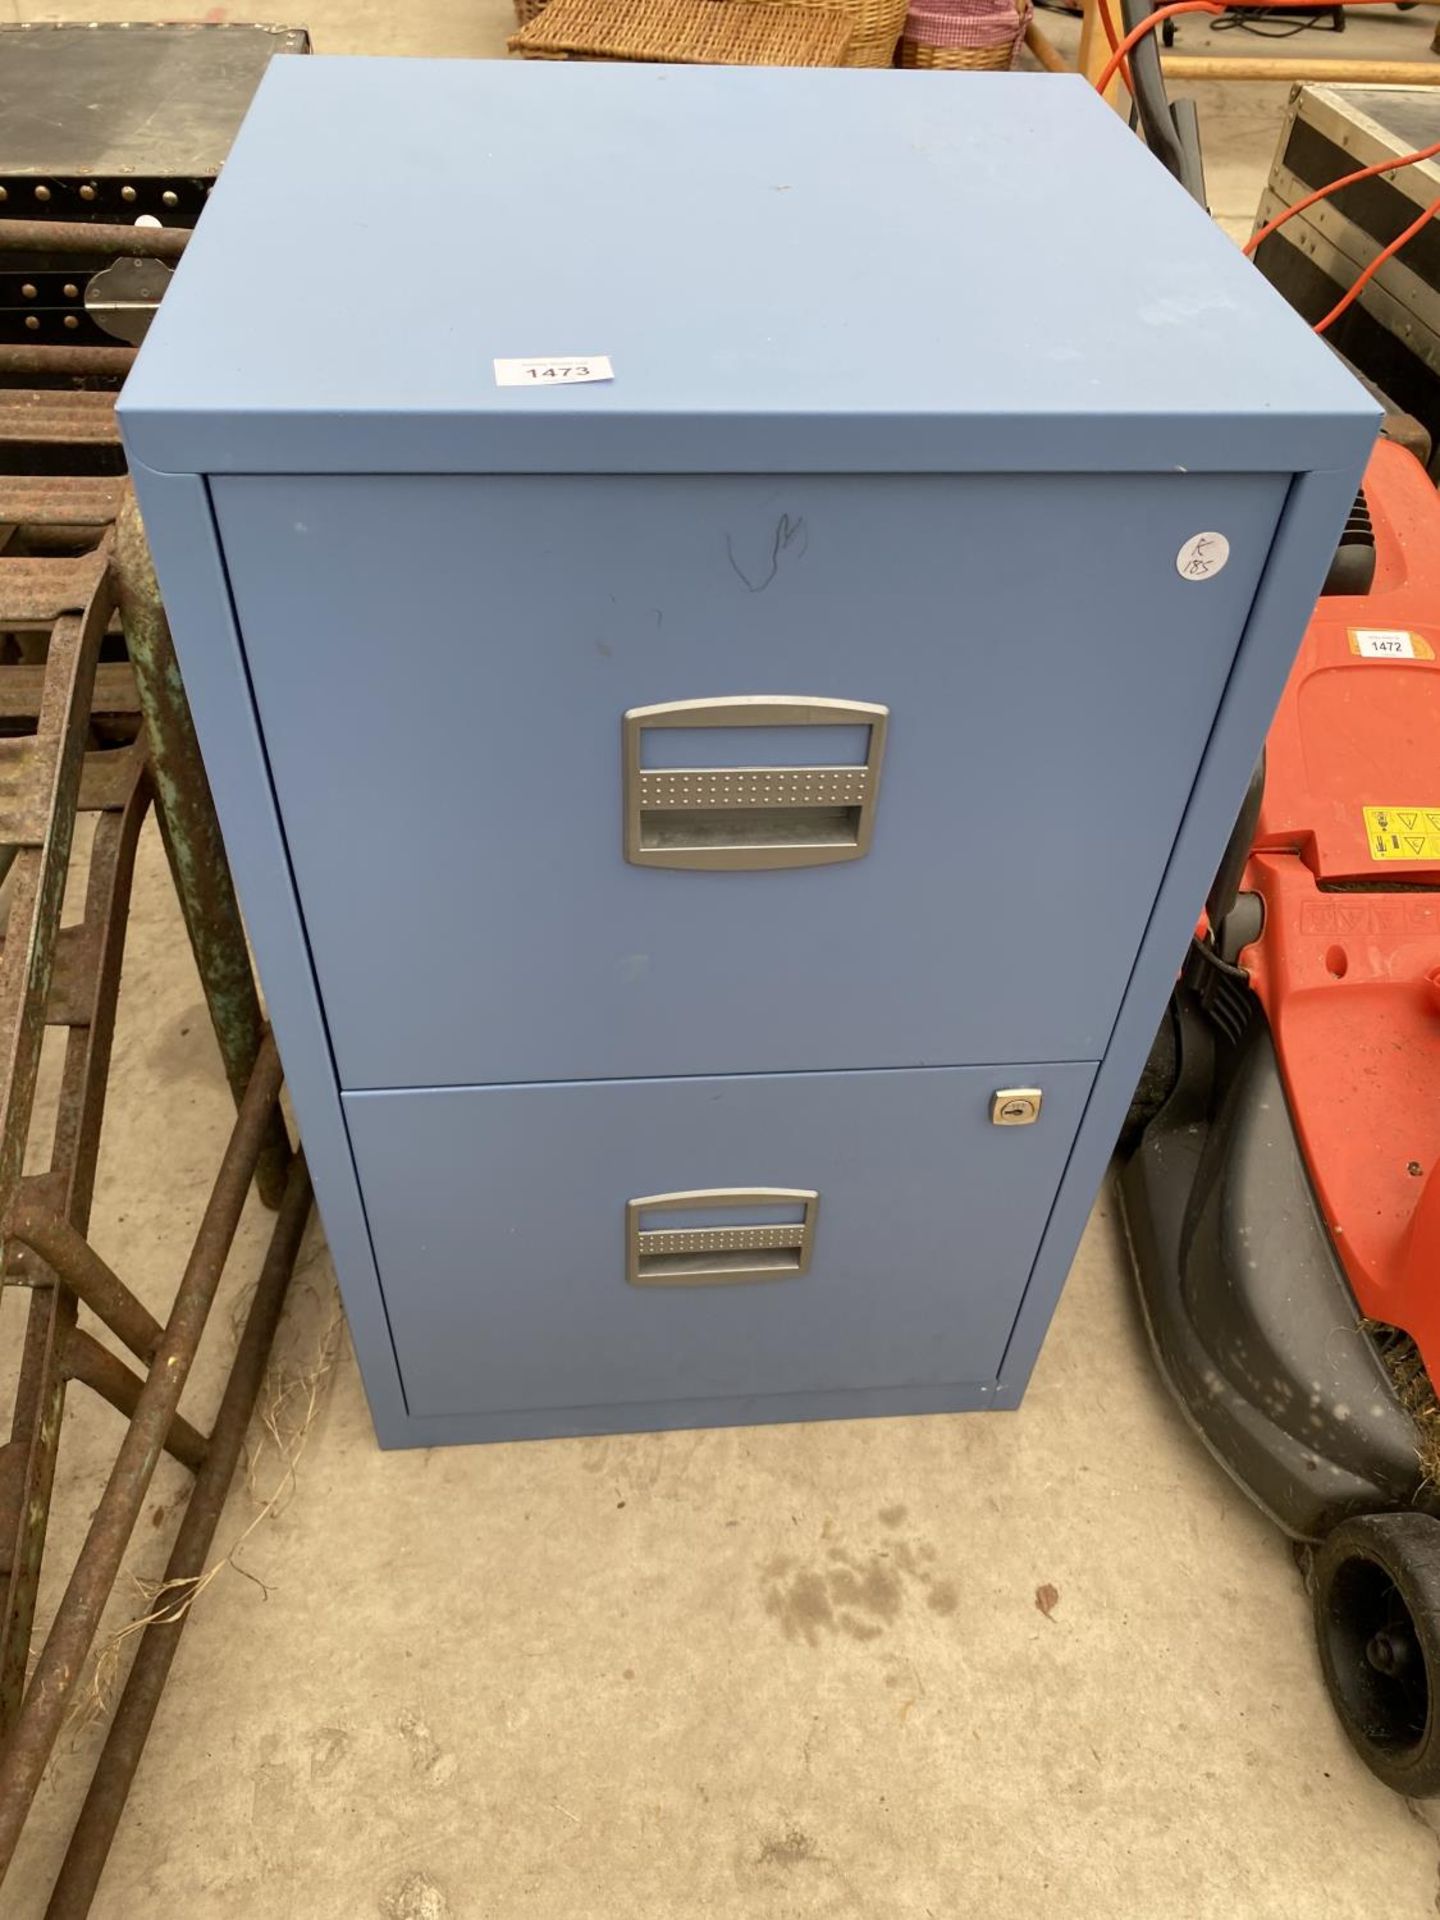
(874,29)
(974,36)
(919,53)
(742,33)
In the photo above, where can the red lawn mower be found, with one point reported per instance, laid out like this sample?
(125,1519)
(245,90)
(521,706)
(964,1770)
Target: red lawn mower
(1281,1188)
(1280,1178)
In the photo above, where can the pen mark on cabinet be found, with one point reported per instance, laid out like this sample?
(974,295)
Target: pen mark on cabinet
(789,535)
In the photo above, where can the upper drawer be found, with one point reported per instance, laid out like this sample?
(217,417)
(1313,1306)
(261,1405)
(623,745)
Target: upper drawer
(442,666)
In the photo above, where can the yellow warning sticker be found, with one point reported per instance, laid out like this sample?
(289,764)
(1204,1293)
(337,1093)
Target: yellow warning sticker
(1389,643)
(1403,833)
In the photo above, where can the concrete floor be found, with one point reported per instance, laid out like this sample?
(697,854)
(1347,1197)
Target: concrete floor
(1040,1663)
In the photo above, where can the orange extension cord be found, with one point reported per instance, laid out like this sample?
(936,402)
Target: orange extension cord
(1345,180)
(1117,64)
(1112,39)
(1385,253)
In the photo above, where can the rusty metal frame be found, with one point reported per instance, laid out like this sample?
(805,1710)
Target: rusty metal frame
(109,738)
(90,236)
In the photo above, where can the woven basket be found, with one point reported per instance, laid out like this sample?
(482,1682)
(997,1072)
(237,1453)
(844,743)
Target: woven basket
(975,36)
(875,28)
(918,53)
(741,33)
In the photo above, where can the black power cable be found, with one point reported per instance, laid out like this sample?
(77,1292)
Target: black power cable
(1171,132)
(1274,26)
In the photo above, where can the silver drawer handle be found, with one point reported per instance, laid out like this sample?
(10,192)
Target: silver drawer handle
(751,816)
(719,1255)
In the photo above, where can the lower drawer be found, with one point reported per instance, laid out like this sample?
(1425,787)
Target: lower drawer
(799,1233)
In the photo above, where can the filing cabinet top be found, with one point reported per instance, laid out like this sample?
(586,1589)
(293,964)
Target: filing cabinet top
(788,270)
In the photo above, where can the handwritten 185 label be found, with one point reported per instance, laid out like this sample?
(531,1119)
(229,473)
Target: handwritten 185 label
(554,370)
(1202,556)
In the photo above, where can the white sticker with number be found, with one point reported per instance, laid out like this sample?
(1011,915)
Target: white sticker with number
(1202,556)
(1383,643)
(554,370)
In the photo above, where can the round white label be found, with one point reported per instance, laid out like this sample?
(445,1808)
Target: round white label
(1202,556)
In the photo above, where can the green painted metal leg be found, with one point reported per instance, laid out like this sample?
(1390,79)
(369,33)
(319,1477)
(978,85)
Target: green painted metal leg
(191,832)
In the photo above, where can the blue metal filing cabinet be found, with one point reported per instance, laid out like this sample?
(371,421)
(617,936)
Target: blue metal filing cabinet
(718,818)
